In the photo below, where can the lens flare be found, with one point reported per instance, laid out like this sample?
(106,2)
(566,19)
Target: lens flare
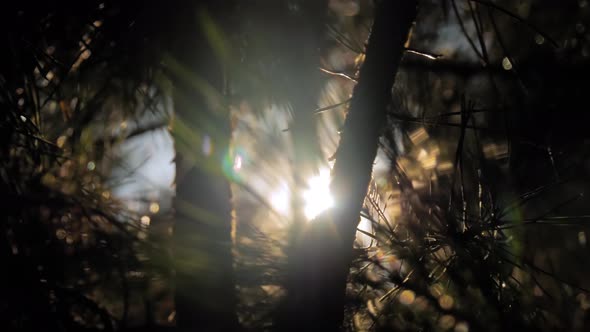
(237,163)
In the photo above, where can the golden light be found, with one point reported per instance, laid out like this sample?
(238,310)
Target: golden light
(446,302)
(317,196)
(154,207)
(407,297)
(145,221)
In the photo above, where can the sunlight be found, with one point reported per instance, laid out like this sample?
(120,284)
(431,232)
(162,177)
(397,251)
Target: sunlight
(280,200)
(317,196)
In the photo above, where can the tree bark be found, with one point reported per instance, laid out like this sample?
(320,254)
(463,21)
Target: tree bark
(305,84)
(205,282)
(305,35)
(324,253)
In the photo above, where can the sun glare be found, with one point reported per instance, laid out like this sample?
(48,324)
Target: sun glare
(317,196)
(280,200)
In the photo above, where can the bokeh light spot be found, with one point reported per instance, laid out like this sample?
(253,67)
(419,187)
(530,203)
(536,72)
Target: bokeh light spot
(145,221)
(154,207)
(461,327)
(446,302)
(506,64)
(207,146)
(446,321)
(407,297)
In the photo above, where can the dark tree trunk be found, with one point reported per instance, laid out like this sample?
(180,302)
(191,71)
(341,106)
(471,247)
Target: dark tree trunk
(205,286)
(324,254)
(303,91)
(305,34)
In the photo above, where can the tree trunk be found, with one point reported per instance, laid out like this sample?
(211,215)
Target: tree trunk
(324,254)
(205,284)
(306,36)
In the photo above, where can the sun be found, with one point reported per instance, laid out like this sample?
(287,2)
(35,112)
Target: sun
(280,199)
(317,197)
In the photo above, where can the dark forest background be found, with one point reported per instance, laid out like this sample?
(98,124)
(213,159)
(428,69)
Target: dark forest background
(157,160)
